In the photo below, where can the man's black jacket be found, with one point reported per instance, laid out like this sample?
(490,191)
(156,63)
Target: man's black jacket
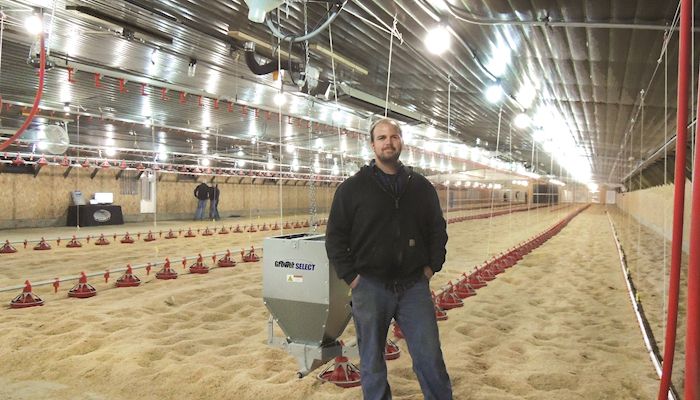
(201,192)
(372,232)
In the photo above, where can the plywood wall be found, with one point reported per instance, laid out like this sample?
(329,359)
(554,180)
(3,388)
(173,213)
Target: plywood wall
(653,207)
(29,201)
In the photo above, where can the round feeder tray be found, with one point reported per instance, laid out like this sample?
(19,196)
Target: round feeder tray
(342,373)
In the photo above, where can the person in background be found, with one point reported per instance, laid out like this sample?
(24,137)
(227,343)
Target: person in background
(201,192)
(214,202)
(386,238)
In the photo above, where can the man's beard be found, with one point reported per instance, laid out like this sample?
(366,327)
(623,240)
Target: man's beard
(390,159)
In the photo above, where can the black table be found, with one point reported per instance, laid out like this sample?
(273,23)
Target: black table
(94,215)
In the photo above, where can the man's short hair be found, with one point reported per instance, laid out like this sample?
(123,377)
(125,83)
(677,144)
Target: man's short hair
(383,121)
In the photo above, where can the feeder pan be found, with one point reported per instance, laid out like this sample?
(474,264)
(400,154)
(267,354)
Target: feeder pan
(42,161)
(26,298)
(101,241)
(392,350)
(440,314)
(475,281)
(18,160)
(42,245)
(306,224)
(223,231)
(128,279)
(170,235)
(275,227)
(397,331)
(342,373)
(252,229)
(226,261)
(198,267)
(207,232)
(150,237)
(485,274)
(83,289)
(264,228)
(238,229)
(127,239)
(449,300)
(287,226)
(74,243)
(190,234)
(463,290)
(250,256)
(7,248)
(166,272)
(297,225)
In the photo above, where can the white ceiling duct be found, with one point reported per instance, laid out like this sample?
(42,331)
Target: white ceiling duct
(257,9)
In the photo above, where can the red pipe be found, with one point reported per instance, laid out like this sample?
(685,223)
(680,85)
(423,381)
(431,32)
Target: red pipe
(678,199)
(37,98)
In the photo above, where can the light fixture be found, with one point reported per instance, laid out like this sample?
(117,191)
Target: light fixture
(295,164)
(290,148)
(522,121)
(337,115)
(205,162)
(526,95)
(154,56)
(192,68)
(162,156)
(33,24)
(241,163)
(110,151)
(280,99)
(257,9)
(42,145)
(438,40)
(148,122)
(494,93)
(66,106)
(240,152)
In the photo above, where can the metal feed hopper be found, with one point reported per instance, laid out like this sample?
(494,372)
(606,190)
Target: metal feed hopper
(306,299)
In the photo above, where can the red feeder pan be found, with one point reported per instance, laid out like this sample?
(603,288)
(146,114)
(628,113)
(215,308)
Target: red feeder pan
(26,298)
(128,279)
(463,290)
(190,234)
(342,373)
(127,239)
(287,226)
(101,241)
(238,229)
(42,245)
(440,313)
(170,235)
(475,281)
(297,225)
(207,232)
(198,267)
(83,289)
(150,237)
(306,224)
(275,227)
(392,350)
(264,228)
(166,272)
(7,248)
(223,231)
(397,331)
(74,243)
(449,300)
(250,256)
(226,261)
(252,229)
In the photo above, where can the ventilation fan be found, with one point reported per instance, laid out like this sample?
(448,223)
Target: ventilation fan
(56,138)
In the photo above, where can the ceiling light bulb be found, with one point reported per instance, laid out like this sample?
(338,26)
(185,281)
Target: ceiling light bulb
(438,40)
(147,123)
(33,24)
(494,93)
(66,106)
(110,152)
(42,145)
(280,99)
(205,162)
(522,121)
(162,156)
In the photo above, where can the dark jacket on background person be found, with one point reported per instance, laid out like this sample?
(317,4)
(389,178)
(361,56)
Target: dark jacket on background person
(214,193)
(201,192)
(374,232)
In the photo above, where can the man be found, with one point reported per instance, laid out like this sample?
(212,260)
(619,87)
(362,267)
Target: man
(386,238)
(214,202)
(201,192)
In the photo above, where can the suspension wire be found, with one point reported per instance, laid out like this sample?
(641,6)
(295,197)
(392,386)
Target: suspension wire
(666,266)
(510,197)
(2,35)
(498,137)
(337,107)
(639,196)
(388,72)
(279,118)
(449,109)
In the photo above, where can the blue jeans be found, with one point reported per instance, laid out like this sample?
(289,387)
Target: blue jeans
(201,205)
(213,211)
(373,307)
